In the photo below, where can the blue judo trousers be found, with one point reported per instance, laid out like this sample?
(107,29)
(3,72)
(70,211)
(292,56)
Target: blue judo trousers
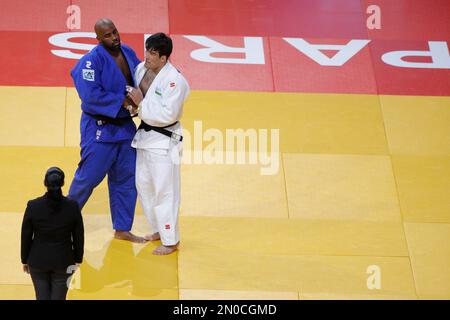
(105,148)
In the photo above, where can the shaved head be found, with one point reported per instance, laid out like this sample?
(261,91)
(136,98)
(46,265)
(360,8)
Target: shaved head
(101,24)
(107,34)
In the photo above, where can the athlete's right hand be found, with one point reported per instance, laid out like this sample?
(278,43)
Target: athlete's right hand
(128,102)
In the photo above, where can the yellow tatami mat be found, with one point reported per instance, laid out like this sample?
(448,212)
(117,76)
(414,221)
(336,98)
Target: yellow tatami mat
(361,183)
(226,269)
(23,170)
(32,116)
(429,246)
(294,236)
(217,190)
(417,125)
(353,123)
(341,187)
(232,191)
(423,187)
(10,265)
(112,269)
(234,254)
(73,116)
(116,269)
(17,292)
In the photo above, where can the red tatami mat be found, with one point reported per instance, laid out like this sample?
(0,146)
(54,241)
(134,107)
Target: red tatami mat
(286,18)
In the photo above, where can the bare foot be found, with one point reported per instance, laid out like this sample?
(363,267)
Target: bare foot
(152,237)
(163,250)
(127,235)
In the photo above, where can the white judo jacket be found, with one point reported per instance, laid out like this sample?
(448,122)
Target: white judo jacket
(162,105)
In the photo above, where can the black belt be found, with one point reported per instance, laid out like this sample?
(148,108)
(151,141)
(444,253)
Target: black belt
(101,120)
(161,130)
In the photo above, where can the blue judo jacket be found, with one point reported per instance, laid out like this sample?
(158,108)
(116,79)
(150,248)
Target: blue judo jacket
(101,87)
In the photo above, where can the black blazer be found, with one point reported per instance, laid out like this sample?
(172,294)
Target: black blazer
(52,234)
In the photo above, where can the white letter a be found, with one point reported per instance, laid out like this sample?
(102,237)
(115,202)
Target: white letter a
(345,52)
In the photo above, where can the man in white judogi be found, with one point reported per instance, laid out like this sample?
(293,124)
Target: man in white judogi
(160,98)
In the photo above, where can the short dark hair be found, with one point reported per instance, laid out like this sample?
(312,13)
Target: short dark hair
(160,43)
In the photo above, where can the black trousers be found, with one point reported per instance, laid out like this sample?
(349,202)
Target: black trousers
(50,284)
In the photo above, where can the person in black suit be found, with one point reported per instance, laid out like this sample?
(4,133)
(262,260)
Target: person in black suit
(52,239)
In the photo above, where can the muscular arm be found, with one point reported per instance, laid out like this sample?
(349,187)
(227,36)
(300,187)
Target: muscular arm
(136,95)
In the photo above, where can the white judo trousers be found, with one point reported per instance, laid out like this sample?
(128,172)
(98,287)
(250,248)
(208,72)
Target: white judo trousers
(158,185)
(158,156)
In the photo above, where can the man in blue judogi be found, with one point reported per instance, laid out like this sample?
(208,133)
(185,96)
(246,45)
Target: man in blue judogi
(101,77)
